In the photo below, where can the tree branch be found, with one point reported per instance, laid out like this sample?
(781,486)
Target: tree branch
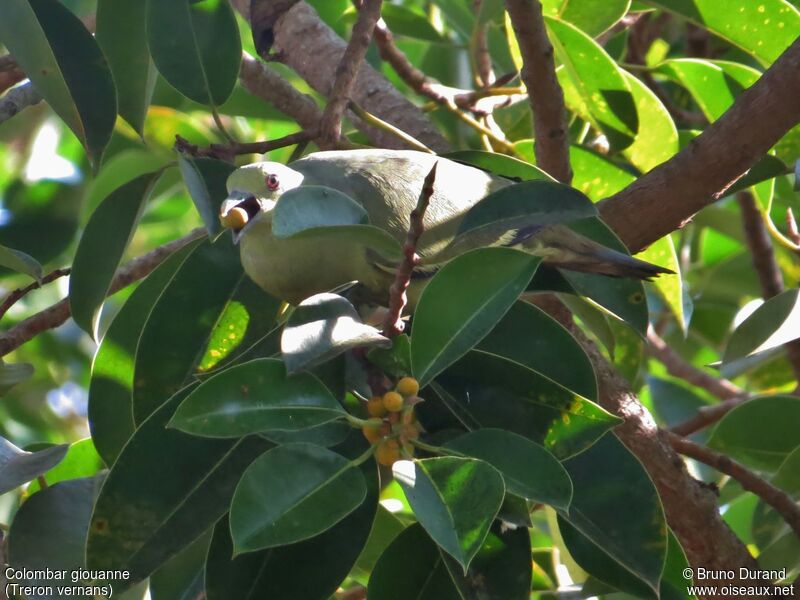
(228,151)
(666,198)
(347,71)
(774,496)
(17,99)
(59,312)
(551,138)
(16,295)
(313,50)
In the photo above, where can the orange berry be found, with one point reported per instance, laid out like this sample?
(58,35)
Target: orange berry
(375,407)
(393,402)
(407,386)
(388,452)
(375,430)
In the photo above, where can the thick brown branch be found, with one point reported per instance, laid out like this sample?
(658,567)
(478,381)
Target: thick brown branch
(313,50)
(551,138)
(393,323)
(667,197)
(59,312)
(774,496)
(347,71)
(17,295)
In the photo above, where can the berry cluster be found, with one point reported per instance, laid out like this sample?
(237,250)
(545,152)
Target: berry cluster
(393,424)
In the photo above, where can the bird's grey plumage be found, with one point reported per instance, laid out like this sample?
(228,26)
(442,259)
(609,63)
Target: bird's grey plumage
(388,184)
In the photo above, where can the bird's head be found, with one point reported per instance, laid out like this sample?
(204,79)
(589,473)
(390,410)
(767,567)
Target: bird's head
(253,191)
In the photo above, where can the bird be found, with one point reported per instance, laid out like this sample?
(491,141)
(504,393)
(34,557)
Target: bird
(387,184)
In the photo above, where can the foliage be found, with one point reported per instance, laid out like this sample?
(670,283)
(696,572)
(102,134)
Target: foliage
(225,448)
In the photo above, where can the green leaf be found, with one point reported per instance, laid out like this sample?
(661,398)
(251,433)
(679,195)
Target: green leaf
(12,374)
(121,35)
(592,559)
(49,532)
(256,396)
(529,336)
(81,460)
(788,475)
(292,493)
(311,569)
(760,433)
(413,567)
(593,84)
(531,203)
(771,325)
(195,45)
(410,23)
(111,383)
(394,361)
(101,247)
(657,137)
(20,262)
(165,489)
(527,468)
(763,29)
(454,499)
(533,406)
(595,175)
(499,164)
(118,170)
(590,16)
(18,467)
(630,528)
(322,327)
(205,179)
(65,64)
(462,303)
(182,576)
(662,252)
(185,314)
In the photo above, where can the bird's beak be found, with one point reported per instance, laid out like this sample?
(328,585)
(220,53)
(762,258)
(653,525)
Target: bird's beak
(237,210)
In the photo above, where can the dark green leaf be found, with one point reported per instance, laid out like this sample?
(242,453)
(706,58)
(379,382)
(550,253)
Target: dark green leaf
(763,29)
(49,532)
(527,468)
(311,569)
(20,262)
(409,23)
(593,84)
(527,335)
(18,467)
(462,303)
(182,577)
(101,247)
(533,406)
(455,500)
(629,527)
(205,179)
(788,476)
(394,361)
(499,164)
(111,384)
(771,325)
(253,397)
(322,327)
(81,460)
(760,433)
(121,35)
(66,66)
(292,493)
(196,47)
(12,374)
(165,489)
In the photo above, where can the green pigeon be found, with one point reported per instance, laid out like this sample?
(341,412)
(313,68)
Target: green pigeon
(388,184)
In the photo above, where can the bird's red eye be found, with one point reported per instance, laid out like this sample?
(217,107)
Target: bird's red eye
(272,182)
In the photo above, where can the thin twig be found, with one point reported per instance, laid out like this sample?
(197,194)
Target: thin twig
(371,119)
(16,295)
(347,71)
(762,255)
(393,323)
(791,227)
(17,99)
(678,367)
(774,496)
(708,415)
(551,137)
(59,312)
(228,151)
